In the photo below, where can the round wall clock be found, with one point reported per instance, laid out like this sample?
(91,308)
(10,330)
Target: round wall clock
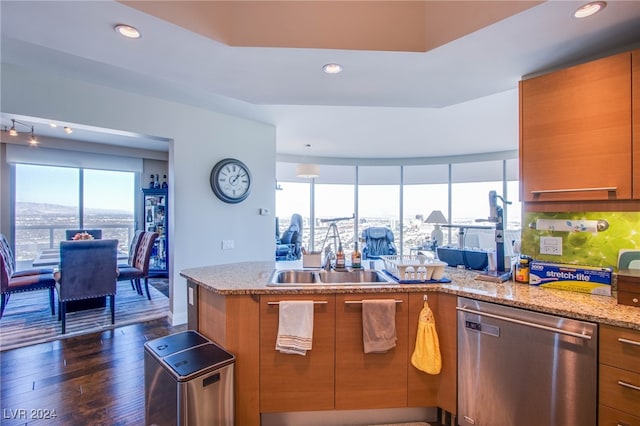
(231,180)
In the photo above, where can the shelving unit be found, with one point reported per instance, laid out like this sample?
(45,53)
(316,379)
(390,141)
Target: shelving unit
(155,220)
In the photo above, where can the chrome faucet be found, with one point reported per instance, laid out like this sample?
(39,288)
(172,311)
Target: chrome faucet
(328,256)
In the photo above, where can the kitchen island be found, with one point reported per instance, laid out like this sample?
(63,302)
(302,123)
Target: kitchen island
(231,305)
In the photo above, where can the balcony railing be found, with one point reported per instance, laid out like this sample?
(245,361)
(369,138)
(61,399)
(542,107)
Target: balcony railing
(30,239)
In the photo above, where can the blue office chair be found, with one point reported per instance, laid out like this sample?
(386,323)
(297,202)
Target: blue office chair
(289,246)
(378,241)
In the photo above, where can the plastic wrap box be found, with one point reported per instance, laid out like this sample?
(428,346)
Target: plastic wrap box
(583,279)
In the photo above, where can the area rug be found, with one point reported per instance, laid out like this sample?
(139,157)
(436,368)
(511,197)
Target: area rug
(27,319)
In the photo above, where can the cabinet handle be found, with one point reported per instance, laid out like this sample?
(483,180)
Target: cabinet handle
(360,302)
(628,385)
(627,341)
(551,191)
(315,302)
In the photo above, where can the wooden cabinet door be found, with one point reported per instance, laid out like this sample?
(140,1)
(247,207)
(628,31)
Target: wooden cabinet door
(635,73)
(575,132)
(377,380)
(422,387)
(294,382)
(446,324)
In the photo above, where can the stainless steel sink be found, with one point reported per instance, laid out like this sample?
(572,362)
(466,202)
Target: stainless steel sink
(295,276)
(300,277)
(364,276)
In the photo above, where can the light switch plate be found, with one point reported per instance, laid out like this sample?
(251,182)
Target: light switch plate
(551,245)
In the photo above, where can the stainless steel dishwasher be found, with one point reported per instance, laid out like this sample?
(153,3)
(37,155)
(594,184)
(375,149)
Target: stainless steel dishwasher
(519,368)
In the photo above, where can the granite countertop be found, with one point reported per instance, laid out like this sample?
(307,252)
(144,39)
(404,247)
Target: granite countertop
(253,277)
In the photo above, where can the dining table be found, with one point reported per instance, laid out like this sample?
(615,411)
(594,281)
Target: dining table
(50,257)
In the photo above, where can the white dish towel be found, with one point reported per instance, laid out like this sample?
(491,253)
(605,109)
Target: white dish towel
(295,327)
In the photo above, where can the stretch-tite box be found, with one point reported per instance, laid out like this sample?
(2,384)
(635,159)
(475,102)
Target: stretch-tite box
(584,279)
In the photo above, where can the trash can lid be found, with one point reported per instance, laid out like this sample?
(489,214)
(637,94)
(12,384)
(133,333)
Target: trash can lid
(173,343)
(199,360)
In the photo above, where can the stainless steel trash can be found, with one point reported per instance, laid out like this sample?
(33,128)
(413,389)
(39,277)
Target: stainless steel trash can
(188,381)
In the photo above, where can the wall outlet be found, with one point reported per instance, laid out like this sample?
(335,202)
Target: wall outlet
(551,245)
(228,244)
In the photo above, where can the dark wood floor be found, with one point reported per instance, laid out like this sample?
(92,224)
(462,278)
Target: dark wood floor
(95,379)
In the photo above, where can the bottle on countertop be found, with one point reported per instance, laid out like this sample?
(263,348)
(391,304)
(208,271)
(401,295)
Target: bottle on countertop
(340,259)
(522,270)
(164,182)
(356,257)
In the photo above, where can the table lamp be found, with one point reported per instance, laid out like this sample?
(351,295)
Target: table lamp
(436,218)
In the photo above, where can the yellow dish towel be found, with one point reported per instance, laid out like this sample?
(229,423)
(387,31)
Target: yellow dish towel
(426,356)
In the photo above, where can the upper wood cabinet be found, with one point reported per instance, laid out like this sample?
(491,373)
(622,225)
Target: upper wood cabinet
(635,73)
(575,133)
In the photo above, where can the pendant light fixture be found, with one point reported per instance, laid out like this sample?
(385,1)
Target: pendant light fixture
(307,170)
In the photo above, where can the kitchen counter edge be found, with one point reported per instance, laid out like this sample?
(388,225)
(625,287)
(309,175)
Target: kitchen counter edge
(252,278)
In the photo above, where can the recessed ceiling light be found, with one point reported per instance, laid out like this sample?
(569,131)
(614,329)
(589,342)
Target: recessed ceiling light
(54,125)
(589,9)
(127,31)
(332,68)
(68,130)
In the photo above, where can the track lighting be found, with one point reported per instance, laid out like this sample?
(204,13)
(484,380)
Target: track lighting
(14,132)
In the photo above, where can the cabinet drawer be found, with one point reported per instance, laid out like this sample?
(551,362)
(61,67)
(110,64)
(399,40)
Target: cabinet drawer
(620,347)
(608,416)
(628,298)
(620,389)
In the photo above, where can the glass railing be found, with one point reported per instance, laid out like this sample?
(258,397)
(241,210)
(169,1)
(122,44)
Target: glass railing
(30,239)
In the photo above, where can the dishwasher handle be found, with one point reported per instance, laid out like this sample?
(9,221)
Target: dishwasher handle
(526,323)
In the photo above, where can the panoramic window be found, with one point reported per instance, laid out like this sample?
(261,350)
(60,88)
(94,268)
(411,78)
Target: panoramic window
(334,203)
(413,201)
(379,200)
(425,193)
(49,200)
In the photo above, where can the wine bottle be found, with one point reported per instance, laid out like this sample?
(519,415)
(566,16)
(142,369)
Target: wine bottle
(157,182)
(340,261)
(164,182)
(152,182)
(356,257)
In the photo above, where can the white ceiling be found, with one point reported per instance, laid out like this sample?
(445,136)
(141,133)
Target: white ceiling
(380,96)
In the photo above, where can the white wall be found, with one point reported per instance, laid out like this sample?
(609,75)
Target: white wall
(198,221)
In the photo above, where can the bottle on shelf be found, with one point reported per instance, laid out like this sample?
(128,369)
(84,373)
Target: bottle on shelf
(164,182)
(340,259)
(356,257)
(157,182)
(152,182)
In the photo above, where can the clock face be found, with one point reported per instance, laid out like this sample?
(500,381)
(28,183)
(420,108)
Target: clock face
(231,180)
